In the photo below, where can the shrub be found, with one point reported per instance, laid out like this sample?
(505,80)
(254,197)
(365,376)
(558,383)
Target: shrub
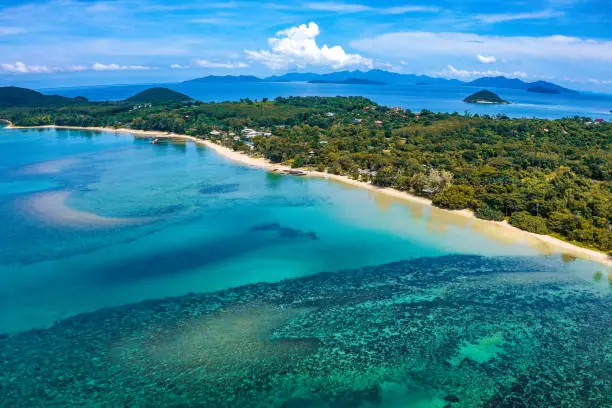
(486,212)
(455,197)
(528,222)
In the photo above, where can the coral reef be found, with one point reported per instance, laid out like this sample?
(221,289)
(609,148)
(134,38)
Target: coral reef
(452,331)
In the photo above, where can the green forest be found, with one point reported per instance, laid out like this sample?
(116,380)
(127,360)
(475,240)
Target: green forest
(545,176)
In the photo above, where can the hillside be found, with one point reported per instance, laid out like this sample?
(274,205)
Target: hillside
(159,95)
(485,96)
(13,96)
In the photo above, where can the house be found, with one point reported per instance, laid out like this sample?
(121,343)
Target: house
(215,133)
(249,133)
(330,114)
(598,120)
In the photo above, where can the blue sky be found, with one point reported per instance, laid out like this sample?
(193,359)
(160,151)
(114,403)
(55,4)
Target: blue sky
(76,42)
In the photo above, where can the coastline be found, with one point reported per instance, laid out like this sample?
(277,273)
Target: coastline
(544,243)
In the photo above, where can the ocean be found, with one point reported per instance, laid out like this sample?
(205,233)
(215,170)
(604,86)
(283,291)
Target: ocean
(134,274)
(435,98)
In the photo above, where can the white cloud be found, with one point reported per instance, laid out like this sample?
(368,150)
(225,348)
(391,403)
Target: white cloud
(226,65)
(499,18)
(21,68)
(116,67)
(75,68)
(452,72)
(486,60)
(410,44)
(343,7)
(179,66)
(410,9)
(297,47)
(357,8)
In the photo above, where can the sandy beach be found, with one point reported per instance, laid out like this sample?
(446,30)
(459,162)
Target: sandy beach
(545,244)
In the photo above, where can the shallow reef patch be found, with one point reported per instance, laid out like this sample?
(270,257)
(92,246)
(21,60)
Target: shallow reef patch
(451,331)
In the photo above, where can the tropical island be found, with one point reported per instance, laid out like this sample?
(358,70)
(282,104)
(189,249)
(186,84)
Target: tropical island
(544,176)
(485,96)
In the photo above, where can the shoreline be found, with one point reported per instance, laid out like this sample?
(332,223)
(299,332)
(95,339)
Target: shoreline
(546,243)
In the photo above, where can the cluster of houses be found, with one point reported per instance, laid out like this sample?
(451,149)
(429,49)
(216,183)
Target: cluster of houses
(597,122)
(142,106)
(246,134)
(251,133)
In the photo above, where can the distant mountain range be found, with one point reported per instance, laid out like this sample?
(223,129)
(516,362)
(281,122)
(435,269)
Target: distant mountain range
(379,77)
(348,81)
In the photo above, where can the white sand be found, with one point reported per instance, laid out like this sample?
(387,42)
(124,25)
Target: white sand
(500,230)
(51,207)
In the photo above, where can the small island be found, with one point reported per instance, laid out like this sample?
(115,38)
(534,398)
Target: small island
(485,96)
(159,95)
(543,90)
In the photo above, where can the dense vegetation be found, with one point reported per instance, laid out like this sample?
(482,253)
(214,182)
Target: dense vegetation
(545,176)
(159,95)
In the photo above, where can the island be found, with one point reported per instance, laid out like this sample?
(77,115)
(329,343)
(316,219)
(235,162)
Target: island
(348,81)
(159,95)
(543,90)
(485,96)
(543,176)
(515,83)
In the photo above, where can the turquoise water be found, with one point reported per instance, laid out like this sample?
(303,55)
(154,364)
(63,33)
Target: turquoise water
(436,98)
(95,220)
(93,224)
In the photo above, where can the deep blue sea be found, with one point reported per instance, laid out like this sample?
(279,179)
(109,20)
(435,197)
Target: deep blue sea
(435,98)
(130,260)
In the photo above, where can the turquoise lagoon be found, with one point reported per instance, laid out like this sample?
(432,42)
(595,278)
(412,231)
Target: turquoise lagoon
(192,224)
(96,222)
